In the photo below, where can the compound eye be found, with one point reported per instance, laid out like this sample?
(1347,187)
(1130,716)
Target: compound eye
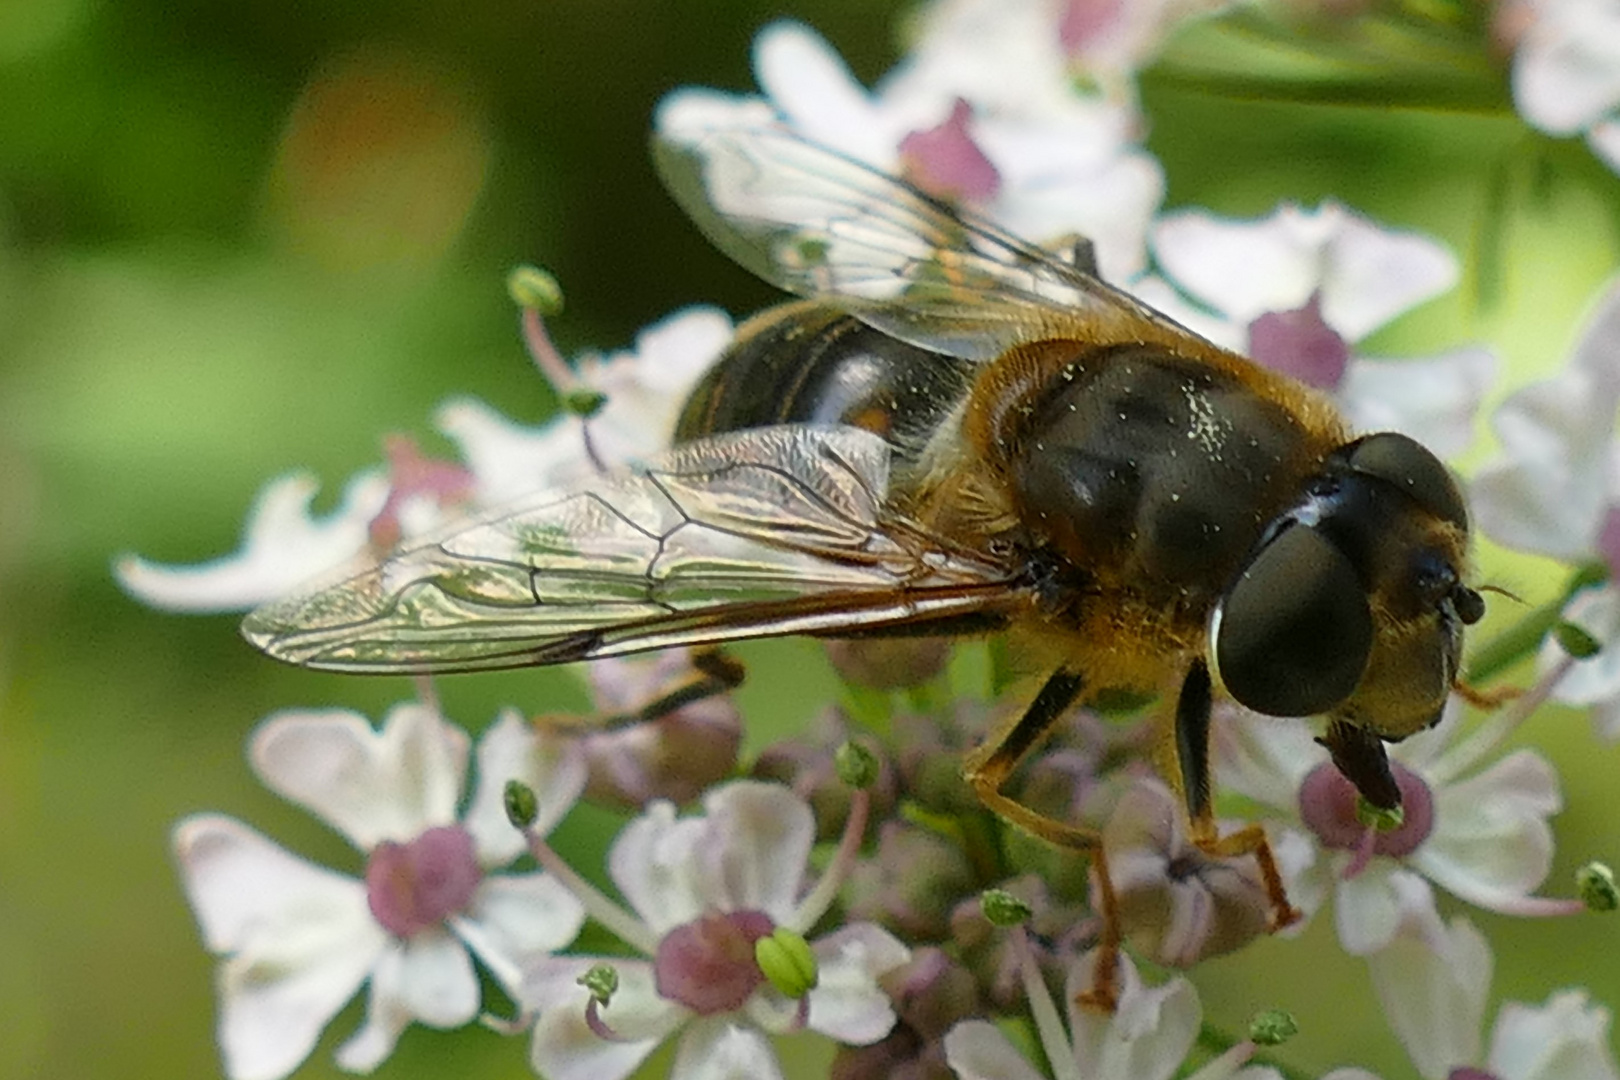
(1407,464)
(1293,634)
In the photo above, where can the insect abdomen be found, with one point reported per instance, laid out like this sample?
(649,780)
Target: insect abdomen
(811,363)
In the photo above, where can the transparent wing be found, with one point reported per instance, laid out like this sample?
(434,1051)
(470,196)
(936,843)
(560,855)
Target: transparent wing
(817,223)
(771,531)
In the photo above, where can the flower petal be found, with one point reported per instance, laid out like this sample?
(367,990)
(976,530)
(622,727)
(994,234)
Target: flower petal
(1565,1039)
(564,1046)
(812,86)
(644,388)
(1076,177)
(370,785)
(1147,1037)
(1373,274)
(1433,399)
(510,460)
(515,920)
(428,978)
(1366,274)
(1368,909)
(758,841)
(1264,757)
(654,863)
(1278,255)
(1596,679)
(1163,297)
(1549,490)
(977,1050)
(1433,982)
(1566,70)
(551,767)
(299,941)
(283,546)
(722,1049)
(847,1003)
(1492,844)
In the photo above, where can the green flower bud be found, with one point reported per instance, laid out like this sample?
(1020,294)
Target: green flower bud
(584,403)
(1273,1027)
(1595,885)
(532,287)
(522,805)
(1003,909)
(857,766)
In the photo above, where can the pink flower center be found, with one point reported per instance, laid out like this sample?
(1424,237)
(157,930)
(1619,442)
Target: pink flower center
(1327,805)
(1084,20)
(414,886)
(1300,344)
(412,473)
(708,964)
(1470,1074)
(945,161)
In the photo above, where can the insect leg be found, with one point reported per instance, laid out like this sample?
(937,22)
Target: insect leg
(713,672)
(1192,753)
(987,770)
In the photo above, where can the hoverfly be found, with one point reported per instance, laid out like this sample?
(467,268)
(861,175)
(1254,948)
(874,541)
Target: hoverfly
(956,431)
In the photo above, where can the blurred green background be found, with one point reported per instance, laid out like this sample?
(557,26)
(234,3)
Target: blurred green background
(241,238)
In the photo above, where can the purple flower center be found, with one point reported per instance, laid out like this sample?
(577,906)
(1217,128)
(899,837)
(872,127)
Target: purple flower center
(414,886)
(1469,1074)
(1300,344)
(945,161)
(708,964)
(1327,805)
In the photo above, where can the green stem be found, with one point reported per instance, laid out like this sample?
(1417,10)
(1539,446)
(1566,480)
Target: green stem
(1524,637)
(1218,1042)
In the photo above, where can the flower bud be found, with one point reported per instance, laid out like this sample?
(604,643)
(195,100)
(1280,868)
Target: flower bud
(857,766)
(675,755)
(911,883)
(532,287)
(888,663)
(1595,885)
(809,767)
(522,805)
(1003,909)
(1273,1027)
(584,402)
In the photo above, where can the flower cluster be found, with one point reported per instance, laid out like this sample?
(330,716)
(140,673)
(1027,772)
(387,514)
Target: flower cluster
(846,881)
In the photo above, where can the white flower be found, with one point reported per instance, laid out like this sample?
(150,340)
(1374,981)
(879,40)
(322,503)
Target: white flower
(1298,289)
(1555,490)
(1146,1038)
(704,889)
(1566,70)
(1483,836)
(283,546)
(645,388)
(298,940)
(982,111)
(1434,981)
